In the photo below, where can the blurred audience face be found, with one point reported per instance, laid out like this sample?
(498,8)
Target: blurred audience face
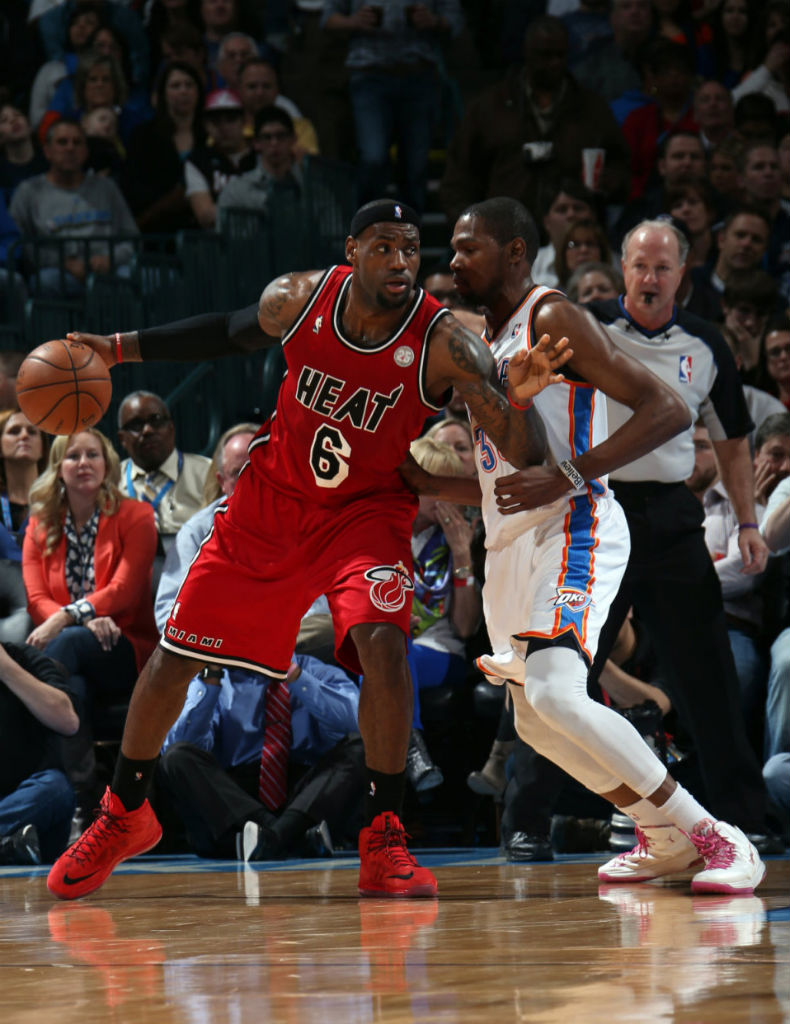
(546,58)
(723,175)
(81,29)
(652,272)
(774,455)
(99,87)
(743,243)
(684,159)
(102,122)
(761,179)
(735,17)
(457,436)
(20,441)
(631,21)
(564,211)
(106,43)
(706,469)
(582,246)
(218,15)
(692,209)
(226,128)
(66,150)
(234,457)
(777,357)
(233,52)
(595,286)
(713,107)
(442,287)
(14,126)
(258,87)
(744,318)
(146,432)
(181,94)
(274,144)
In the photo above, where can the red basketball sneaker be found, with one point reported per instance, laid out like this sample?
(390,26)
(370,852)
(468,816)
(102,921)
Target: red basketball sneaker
(386,868)
(115,835)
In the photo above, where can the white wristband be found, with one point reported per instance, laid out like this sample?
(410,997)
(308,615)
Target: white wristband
(571,472)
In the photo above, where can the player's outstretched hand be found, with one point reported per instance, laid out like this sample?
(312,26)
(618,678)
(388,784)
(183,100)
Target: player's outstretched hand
(103,345)
(531,370)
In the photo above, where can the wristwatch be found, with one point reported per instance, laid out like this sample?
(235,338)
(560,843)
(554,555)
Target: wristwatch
(81,611)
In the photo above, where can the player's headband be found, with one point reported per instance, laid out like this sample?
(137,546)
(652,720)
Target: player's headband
(379,210)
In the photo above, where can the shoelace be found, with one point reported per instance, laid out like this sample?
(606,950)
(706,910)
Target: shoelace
(642,845)
(392,841)
(104,826)
(715,850)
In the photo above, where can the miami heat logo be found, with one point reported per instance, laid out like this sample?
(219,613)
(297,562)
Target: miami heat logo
(570,597)
(391,583)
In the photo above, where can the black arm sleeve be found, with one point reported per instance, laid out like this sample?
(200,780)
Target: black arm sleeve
(206,337)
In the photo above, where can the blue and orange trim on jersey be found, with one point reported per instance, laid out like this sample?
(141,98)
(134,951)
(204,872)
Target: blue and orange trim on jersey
(577,575)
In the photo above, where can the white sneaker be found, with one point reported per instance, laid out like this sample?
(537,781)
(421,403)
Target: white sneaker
(499,668)
(663,850)
(732,864)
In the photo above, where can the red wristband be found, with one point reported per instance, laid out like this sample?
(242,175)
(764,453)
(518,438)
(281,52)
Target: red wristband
(464,581)
(118,351)
(521,408)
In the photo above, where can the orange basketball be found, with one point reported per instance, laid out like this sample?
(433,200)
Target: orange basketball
(63,387)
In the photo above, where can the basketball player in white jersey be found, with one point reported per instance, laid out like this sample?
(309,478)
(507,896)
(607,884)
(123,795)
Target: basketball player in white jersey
(553,568)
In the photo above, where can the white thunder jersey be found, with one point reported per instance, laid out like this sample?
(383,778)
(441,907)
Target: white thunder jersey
(573,413)
(553,569)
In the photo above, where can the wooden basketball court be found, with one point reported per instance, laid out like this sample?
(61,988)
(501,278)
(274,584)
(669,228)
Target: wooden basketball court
(181,941)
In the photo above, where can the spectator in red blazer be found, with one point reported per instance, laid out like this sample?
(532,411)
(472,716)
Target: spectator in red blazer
(87,562)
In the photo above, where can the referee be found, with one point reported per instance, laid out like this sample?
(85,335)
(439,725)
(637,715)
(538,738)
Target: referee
(670,579)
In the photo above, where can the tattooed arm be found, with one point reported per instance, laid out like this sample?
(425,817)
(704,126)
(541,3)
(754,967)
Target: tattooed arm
(459,358)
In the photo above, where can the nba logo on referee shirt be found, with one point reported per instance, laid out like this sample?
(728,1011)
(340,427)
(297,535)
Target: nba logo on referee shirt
(684,369)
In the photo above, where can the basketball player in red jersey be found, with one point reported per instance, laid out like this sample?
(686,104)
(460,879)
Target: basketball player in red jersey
(320,508)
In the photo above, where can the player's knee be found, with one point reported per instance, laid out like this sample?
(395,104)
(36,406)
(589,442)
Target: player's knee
(381,649)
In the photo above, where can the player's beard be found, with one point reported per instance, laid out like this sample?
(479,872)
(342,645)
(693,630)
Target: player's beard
(387,301)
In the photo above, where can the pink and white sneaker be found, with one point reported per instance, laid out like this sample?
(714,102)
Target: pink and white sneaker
(660,850)
(732,864)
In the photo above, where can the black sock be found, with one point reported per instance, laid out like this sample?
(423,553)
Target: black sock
(132,780)
(290,826)
(383,792)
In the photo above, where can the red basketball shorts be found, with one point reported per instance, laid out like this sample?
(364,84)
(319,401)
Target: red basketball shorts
(269,556)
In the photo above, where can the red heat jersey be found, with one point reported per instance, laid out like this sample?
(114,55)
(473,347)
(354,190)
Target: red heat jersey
(345,414)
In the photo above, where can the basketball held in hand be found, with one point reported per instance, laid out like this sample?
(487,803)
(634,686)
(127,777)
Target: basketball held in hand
(63,387)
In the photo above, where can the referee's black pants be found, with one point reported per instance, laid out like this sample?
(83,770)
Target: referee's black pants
(674,589)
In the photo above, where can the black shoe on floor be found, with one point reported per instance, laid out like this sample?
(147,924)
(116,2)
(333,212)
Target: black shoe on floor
(421,771)
(21,847)
(318,841)
(526,846)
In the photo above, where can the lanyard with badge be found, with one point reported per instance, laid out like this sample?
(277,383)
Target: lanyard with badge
(156,500)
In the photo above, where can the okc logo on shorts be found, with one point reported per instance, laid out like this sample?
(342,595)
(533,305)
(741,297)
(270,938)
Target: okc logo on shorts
(391,583)
(684,369)
(570,597)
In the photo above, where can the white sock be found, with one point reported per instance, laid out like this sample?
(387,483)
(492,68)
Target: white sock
(683,810)
(645,814)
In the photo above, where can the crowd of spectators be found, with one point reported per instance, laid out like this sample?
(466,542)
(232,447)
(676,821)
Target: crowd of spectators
(137,117)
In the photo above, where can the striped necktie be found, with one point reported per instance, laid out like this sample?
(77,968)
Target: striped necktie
(272,781)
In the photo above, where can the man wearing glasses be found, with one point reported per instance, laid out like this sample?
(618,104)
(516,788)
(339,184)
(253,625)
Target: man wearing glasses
(277,173)
(156,470)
